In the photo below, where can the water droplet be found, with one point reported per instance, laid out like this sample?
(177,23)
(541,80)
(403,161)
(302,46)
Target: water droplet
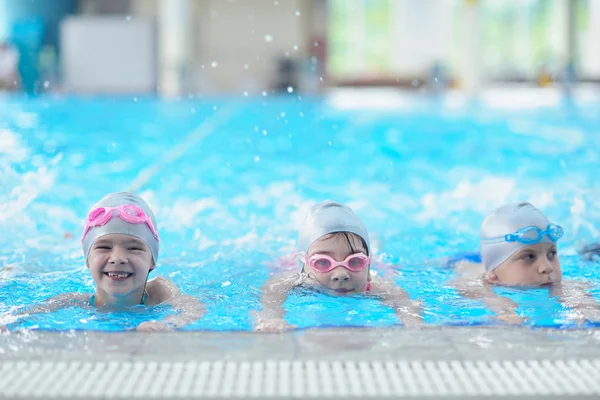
(214,64)
(282,114)
(297,13)
(302,114)
(276,3)
(245,66)
(245,94)
(321,78)
(214,107)
(290,89)
(46,84)
(128,18)
(264,132)
(256,158)
(193,110)
(225,284)
(135,99)
(296,47)
(316,44)
(268,38)
(329,143)
(264,93)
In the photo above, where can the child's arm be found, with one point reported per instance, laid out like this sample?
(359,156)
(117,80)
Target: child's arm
(574,295)
(57,302)
(188,309)
(473,287)
(408,311)
(163,291)
(275,293)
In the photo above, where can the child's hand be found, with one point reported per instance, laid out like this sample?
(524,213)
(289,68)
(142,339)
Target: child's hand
(510,318)
(273,326)
(586,316)
(154,326)
(412,320)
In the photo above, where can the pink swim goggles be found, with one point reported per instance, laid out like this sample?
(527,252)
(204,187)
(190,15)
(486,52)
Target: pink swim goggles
(127,212)
(324,263)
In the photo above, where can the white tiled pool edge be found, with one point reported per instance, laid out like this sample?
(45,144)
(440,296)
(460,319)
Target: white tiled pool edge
(299,379)
(459,362)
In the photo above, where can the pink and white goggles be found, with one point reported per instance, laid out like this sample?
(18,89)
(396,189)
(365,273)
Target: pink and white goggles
(323,263)
(127,212)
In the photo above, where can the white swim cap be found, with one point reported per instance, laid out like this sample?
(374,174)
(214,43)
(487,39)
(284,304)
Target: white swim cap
(330,217)
(505,220)
(117,225)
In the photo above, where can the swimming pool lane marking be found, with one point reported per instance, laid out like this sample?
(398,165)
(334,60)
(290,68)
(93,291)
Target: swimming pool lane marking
(203,130)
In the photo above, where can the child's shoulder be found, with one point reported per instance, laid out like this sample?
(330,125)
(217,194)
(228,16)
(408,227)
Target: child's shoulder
(72,297)
(161,289)
(285,281)
(591,252)
(468,268)
(379,285)
(160,281)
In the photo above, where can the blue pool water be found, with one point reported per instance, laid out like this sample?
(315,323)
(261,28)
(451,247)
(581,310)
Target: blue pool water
(229,180)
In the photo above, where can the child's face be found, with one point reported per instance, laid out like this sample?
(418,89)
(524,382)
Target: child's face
(119,264)
(339,281)
(534,265)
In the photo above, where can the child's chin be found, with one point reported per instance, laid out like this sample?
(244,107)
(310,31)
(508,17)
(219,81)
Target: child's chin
(119,292)
(338,292)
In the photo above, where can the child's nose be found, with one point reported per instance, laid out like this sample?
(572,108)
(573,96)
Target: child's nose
(545,267)
(118,256)
(340,275)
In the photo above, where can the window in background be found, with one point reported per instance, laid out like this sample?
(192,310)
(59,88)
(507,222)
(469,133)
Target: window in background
(359,38)
(523,38)
(587,37)
(389,40)
(520,40)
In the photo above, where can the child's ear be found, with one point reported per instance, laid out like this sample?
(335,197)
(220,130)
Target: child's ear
(491,277)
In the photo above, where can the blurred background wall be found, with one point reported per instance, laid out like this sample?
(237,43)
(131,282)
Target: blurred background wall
(247,47)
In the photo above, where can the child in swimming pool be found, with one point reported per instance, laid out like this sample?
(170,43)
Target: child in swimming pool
(120,244)
(591,252)
(336,259)
(518,247)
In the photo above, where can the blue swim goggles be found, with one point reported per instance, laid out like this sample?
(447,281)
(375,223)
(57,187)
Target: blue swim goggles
(529,235)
